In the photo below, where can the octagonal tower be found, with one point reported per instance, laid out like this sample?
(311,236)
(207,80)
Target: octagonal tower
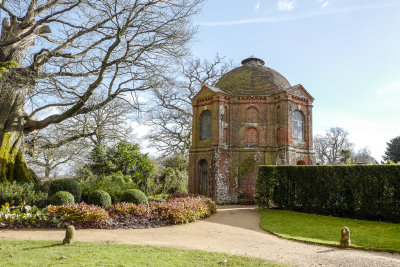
(252,117)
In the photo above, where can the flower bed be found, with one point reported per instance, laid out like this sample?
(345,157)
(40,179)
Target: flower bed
(175,210)
(80,215)
(172,211)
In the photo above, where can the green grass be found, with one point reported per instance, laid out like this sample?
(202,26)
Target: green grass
(326,229)
(52,253)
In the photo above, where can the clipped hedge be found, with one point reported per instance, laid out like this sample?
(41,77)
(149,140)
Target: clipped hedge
(68,185)
(114,188)
(134,196)
(100,198)
(359,191)
(62,198)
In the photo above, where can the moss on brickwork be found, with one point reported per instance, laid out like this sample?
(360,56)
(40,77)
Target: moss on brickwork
(246,166)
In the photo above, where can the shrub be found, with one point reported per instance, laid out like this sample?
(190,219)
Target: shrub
(122,159)
(100,198)
(113,188)
(126,210)
(62,198)
(80,215)
(134,196)
(361,191)
(185,209)
(24,215)
(173,181)
(68,185)
(172,211)
(159,198)
(17,194)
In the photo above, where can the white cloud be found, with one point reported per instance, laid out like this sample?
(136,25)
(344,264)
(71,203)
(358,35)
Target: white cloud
(286,5)
(294,18)
(325,4)
(257,6)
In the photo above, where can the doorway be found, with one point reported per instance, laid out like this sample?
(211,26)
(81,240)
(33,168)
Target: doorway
(203,175)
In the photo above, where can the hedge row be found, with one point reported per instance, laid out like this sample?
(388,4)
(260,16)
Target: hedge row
(358,191)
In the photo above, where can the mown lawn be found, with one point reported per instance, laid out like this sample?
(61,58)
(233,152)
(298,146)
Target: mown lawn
(326,229)
(51,253)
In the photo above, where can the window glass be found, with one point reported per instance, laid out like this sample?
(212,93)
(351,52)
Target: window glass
(205,125)
(298,125)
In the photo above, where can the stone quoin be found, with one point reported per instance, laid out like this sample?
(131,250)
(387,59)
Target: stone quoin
(252,117)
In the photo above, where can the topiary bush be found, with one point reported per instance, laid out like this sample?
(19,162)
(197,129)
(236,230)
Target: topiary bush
(100,198)
(68,185)
(106,183)
(134,196)
(62,198)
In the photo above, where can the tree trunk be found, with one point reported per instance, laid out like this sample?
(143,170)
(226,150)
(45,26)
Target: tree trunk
(14,87)
(12,163)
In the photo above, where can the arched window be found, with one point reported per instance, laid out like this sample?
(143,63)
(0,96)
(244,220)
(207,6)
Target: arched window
(278,114)
(205,125)
(298,125)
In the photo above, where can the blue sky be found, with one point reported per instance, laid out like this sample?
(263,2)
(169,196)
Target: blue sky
(345,53)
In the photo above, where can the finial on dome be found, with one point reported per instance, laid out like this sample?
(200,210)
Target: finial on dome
(253,60)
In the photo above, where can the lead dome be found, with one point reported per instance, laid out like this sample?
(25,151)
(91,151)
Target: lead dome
(252,78)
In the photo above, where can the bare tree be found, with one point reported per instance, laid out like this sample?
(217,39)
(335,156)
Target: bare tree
(82,47)
(50,161)
(363,156)
(330,148)
(170,112)
(107,125)
(69,142)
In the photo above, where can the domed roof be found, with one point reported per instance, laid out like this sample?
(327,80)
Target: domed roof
(252,78)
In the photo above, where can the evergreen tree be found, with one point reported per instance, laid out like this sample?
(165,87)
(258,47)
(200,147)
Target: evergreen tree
(392,152)
(122,159)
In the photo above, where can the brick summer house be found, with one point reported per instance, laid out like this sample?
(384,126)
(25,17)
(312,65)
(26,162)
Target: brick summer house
(253,116)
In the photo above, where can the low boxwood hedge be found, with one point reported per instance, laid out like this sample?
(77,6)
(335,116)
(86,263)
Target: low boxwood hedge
(100,198)
(359,191)
(68,185)
(62,198)
(134,196)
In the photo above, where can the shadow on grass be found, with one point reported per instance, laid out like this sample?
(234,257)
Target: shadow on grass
(47,246)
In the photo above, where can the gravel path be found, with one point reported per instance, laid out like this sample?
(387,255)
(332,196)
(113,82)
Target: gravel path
(234,230)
